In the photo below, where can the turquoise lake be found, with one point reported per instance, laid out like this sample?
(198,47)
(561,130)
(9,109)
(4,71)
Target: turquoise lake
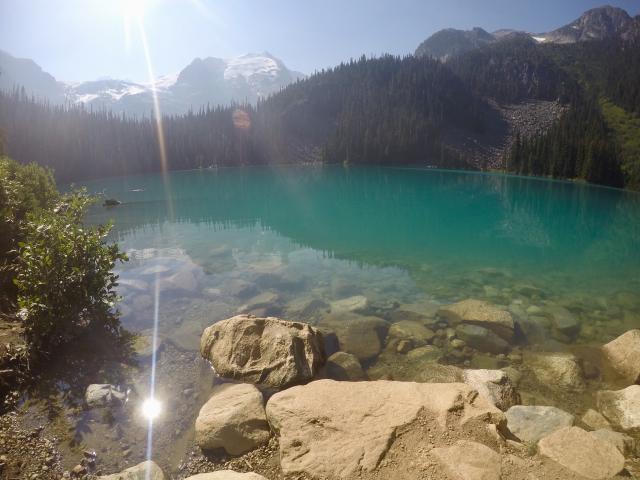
(391,243)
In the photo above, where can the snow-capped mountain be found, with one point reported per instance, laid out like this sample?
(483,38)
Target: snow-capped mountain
(595,24)
(212,81)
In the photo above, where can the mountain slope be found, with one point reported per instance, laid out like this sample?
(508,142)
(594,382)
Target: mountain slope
(21,72)
(601,23)
(449,42)
(214,81)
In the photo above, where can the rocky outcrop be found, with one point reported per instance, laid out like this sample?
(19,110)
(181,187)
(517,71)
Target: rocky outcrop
(103,395)
(345,367)
(621,407)
(482,314)
(530,423)
(359,335)
(143,471)
(469,460)
(226,475)
(582,453)
(561,370)
(495,385)
(624,355)
(233,418)
(357,430)
(265,351)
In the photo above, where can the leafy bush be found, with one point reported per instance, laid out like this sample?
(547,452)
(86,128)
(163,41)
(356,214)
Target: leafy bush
(65,277)
(24,189)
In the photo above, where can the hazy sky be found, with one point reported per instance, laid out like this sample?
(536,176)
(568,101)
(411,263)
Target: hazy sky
(86,39)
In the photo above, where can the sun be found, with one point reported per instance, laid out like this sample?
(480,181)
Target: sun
(135,8)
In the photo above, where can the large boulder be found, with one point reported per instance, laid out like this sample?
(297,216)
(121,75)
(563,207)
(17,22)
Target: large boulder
(482,339)
(530,423)
(265,351)
(469,461)
(623,442)
(495,385)
(621,407)
(556,370)
(334,429)
(582,453)
(226,475)
(624,355)
(143,471)
(103,395)
(480,313)
(344,366)
(359,335)
(233,419)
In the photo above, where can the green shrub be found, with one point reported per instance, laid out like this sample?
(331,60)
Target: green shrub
(24,190)
(65,278)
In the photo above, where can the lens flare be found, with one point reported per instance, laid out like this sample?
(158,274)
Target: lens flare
(151,408)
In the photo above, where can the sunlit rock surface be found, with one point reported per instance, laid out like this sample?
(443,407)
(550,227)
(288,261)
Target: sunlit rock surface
(265,351)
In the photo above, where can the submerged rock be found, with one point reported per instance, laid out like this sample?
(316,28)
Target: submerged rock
(582,453)
(334,429)
(103,395)
(530,423)
(360,335)
(621,407)
(556,370)
(563,320)
(483,314)
(469,460)
(495,385)
(351,304)
(482,339)
(111,202)
(415,332)
(344,366)
(624,355)
(143,471)
(233,418)
(265,351)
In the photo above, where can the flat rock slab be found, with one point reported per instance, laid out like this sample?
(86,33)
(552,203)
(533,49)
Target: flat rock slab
(469,461)
(582,453)
(143,471)
(226,475)
(624,355)
(482,339)
(265,351)
(483,314)
(234,419)
(530,423)
(621,407)
(334,430)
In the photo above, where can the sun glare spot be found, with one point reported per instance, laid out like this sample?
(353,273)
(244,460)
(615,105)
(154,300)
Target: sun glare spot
(151,408)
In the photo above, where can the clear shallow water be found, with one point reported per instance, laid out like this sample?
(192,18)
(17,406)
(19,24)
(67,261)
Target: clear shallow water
(272,241)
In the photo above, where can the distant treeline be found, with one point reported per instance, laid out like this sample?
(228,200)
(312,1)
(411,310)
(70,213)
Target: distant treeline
(386,110)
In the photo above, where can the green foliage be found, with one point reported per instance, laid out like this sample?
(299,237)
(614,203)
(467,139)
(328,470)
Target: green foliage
(24,189)
(626,130)
(65,280)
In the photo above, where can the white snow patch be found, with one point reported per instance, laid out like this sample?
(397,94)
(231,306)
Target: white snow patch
(249,65)
(86,98)
(166,81)
(539,39)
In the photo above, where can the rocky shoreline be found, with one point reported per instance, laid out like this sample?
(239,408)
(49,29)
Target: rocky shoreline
(359,396)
